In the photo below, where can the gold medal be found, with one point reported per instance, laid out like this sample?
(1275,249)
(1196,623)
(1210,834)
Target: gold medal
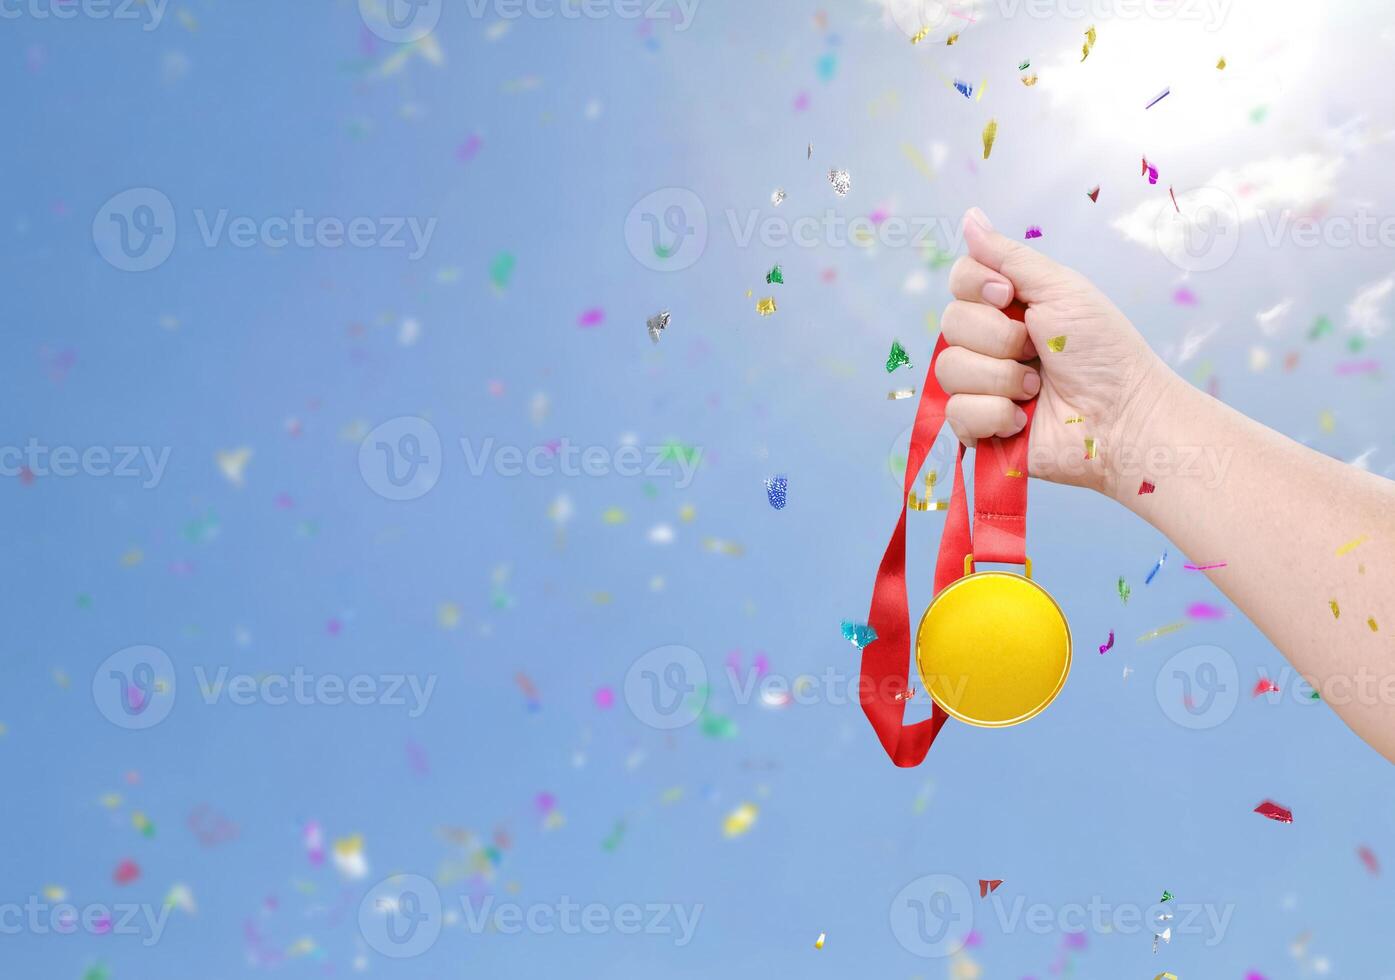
(993,648)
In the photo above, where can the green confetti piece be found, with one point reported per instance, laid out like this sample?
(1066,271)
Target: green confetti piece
(1356,344)
(897,357)
(1258,113)
(1024,66)
(678,452)
(775,276)
(1124,590)
(501,270)
(1315,696)
(1167,895)
(1321,328)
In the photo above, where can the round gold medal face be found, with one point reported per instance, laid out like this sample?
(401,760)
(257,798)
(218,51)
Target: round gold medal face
(993,649)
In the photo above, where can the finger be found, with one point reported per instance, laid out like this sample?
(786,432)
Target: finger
(962,433)
(984,416)
(971,280)
(1028,270)
(986,330)
(962,371)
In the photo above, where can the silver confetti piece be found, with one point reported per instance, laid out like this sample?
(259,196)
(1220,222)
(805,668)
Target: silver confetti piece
(841,181)
(657,324)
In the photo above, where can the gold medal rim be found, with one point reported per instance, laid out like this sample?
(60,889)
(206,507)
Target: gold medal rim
(1045,703)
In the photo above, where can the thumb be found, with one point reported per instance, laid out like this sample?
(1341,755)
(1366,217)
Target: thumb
(1030,272)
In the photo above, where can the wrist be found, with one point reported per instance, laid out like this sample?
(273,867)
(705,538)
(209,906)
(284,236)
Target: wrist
(1148,430)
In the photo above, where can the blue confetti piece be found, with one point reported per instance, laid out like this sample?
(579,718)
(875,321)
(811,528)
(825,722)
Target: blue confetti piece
(963,88)
(857,634)
(775,489)
(1156,568)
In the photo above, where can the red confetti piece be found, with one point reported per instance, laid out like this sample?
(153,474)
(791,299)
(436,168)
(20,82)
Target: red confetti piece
(1265,686)
(1094,193)
(1368,858)
(1174,196)
(1145,487)
(986,885)
(1273,811)
(126,872)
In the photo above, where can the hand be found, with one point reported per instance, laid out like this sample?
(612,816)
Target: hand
(1106,374)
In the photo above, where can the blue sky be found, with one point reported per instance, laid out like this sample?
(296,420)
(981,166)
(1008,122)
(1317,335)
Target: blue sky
(249,410)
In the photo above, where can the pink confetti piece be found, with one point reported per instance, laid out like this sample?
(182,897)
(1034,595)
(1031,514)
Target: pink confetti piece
(1108,645)
(1357,367)
(1205,568)
(1184,297)
(469,149)
(1150,171)
(801,102)
(1265,686)
(334,627)
(1204,610)
(1368,858)
(605,698)
(126,872)
(591,318)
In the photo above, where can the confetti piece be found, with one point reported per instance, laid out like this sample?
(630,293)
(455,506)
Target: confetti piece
(1161,631)
(857,634)
(1265,686)
(1205,568)
(1164,937)
(593,317)
(126,872)
(1108,644)
(1024,66)
(1351,546)
(1029,80)
(233,463)
(1166,976)
(501,270)
(616,836)
(657,324)
(775,490)
(1150,171)
(740,820)
(1371,622)
(990,134)
(1368,858)
(1013,474)
(1033,232)
(1093,193)
(899,394)
(1159,97)
(765,306)
(1173,195)
(1336,610)
(1202,610)
(349,858)
(1089,43)
(1274,812)
(1156,568)
(1145,487)
(775,275)
(818,943)
(1075,419)
(777,196)
(1166,896)
(987,886)
(1124,590)
(952,39)
(1056,344)
(963,88)
(1091,449)
(920,35)
(897,357)
(841,181)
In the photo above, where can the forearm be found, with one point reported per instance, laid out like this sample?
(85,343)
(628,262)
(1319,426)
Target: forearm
(1231,490)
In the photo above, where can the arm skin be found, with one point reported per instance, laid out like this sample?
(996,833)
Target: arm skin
(1228,488)
(1277,513)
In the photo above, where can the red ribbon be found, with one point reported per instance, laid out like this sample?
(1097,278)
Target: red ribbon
(999,535)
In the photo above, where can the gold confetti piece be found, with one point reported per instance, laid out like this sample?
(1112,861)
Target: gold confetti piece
(1166,976)
(687,512)
(990,133)
(1072,421)
(951,39)
(1327,420)
(1056,344)
(766,306)
(723,547)
(919,35)
(1089,42)
(1161,631)
(132,557)
(1221,64)
(1091,449)
(1371,622)
(982,86)
(1336,610)
(900,393)
(1029,80)
(818,943)
(613,515)
(1351,545)
(1015,474)
(740,820)
(915,503)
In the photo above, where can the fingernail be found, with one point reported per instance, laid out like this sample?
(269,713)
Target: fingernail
(1021,418)
(1031,384)
(997,293)
(979,218)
